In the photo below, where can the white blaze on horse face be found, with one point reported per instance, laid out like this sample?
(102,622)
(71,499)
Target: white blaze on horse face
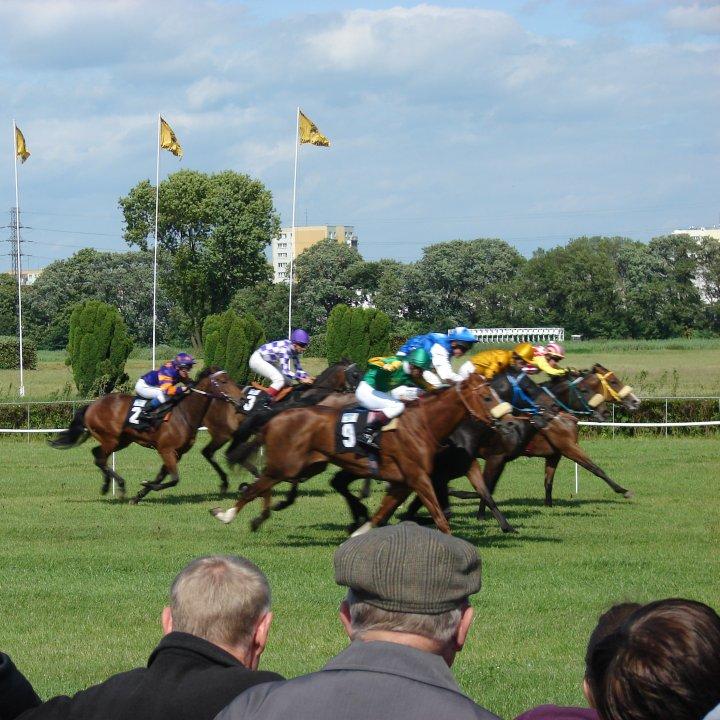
(366,528)
(596,399)
(624,392)
(501,410)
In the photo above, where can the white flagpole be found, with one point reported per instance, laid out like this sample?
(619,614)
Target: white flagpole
(157,202)
(292,246)
(19,267)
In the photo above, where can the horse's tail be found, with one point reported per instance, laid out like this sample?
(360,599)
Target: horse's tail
(76,434)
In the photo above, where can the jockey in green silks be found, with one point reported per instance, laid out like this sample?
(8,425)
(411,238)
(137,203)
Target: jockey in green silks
(387,382)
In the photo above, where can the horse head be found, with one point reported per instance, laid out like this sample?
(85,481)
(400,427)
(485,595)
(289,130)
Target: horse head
(342,376)
(579,393)
(486,407)
(613,389)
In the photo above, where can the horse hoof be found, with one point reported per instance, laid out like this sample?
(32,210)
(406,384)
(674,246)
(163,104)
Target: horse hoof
(255,524)
(133,501)
(366,528)
(509,529)
(628,494)
(223,489)
(120,495)
(224,517)
(104,490)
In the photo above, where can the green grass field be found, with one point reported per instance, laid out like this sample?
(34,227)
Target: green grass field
(83,578)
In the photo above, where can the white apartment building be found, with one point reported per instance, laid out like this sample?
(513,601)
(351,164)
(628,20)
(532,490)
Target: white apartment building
(305,236)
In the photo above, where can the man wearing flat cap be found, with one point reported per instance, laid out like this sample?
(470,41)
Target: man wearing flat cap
(407,615)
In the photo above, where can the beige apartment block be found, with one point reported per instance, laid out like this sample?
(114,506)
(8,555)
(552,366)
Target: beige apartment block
(700,232)
(305,236)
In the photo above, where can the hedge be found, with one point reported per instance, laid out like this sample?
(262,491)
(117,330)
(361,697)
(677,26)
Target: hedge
(10,353)
(356,333)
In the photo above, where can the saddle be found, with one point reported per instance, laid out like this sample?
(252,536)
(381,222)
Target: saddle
(141,417)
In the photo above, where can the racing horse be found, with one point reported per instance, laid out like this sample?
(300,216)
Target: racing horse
(223,421)
(105,420)
(582,394)
(299,444)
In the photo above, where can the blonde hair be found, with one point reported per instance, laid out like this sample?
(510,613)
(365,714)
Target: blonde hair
(219,598)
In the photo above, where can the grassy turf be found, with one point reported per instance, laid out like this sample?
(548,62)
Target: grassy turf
(83,578)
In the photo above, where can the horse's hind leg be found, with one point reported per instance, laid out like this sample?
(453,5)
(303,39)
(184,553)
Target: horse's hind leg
(255,523)
(341,482)
(208,452)
(289,498)
(101,455)
(170,462)
(147,485)
(551,464)
(475,477)
(393,497)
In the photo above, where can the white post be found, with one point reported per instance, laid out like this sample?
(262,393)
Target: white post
(113,480)
(157,202)
(576,478)
(21,390)
(292,246)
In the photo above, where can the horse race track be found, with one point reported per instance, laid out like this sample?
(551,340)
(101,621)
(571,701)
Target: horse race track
(83,578)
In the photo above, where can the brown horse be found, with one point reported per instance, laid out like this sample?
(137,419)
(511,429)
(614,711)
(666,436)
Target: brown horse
(223,420)
(105,420)
(300,443)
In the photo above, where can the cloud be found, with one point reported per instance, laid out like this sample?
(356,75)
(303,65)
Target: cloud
(695,17)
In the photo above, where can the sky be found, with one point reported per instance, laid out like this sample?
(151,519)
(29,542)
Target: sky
(532,121)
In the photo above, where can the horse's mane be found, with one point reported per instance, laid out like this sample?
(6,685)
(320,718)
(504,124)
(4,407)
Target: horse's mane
(206,372)
(327,373)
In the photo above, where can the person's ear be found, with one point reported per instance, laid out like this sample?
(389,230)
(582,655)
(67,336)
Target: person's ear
(166,621)
(345,618)
(463,627)
(259,641)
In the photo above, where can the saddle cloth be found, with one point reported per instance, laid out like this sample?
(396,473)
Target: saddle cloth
(351,424)
(137,419)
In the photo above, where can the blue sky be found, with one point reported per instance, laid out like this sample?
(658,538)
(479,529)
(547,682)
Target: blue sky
(531,121)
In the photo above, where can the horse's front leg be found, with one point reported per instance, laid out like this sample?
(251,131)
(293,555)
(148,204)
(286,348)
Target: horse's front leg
(289,498)
(263,484)
(397,494)
(551,464)
(208,453)
(477,480)
(170,467)
(101,453)
(341,482)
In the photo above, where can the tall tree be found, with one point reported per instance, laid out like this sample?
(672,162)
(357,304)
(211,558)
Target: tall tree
(213,230)
(268,302)
(120,279)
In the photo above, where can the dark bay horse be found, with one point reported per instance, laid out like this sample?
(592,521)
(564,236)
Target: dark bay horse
(299,443)
(583,394)
(105,420)
(223,419)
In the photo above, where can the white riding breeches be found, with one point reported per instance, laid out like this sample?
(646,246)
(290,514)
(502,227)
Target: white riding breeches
(149,392)
(373,399)
(263,367)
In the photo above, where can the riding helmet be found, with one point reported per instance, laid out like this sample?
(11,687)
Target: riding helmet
(300,337)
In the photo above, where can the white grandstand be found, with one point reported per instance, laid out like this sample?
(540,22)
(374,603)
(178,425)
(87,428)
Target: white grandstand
(525,334)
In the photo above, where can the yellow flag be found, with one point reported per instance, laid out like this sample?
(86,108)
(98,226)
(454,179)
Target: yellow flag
(309,132)
(20,147)
(168,141)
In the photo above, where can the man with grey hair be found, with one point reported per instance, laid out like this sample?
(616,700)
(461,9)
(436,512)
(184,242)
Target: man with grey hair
(407,615)
(215,630)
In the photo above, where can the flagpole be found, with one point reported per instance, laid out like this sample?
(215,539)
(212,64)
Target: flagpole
(19,267)
(157,203)
(292,247)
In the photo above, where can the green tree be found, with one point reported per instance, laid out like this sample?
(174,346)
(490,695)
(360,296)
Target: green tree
(98,347)
(455,283)
(213,230)
(8,305)
(323,282)
(120,279)
(337,333)
(357,333)
(268,302)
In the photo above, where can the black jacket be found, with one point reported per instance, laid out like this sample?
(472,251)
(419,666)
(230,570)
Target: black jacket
(187,678)
(16,693)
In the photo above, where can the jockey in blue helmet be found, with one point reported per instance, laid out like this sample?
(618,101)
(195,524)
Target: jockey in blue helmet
(442,348)
(266,359)
(167,381)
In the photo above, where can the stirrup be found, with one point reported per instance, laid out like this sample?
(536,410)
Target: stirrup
(368,439)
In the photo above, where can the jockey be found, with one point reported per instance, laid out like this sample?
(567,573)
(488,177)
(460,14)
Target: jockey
(547,359)
(167,381)
(265,360)
(386,383)
(441,348)
(490,363)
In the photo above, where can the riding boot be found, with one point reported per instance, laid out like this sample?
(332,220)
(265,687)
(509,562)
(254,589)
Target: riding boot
(369,436)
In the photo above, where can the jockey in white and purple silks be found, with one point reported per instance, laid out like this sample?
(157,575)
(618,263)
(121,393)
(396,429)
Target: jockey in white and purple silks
(266,359)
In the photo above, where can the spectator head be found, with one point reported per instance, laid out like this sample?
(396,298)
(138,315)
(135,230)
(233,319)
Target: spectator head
(662,661)
(410,585)
(607,624)
(225,600)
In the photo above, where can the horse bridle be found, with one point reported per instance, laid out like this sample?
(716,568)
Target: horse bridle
(494,413)
(220,394)
(616,395)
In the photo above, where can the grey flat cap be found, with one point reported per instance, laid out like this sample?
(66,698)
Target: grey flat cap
(408,568)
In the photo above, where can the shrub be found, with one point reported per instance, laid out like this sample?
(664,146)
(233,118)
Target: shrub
(317,347)
(357,333)
(10,353)
(98,347)
(229,339)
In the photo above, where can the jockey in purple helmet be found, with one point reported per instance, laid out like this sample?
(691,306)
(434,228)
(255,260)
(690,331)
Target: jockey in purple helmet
(167,381)
(279,353)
